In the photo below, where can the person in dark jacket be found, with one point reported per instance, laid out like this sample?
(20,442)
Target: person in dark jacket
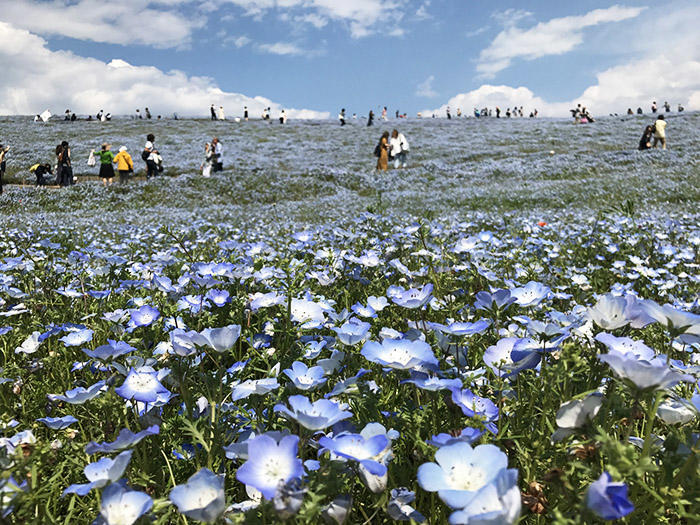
(3,151)
(645,141)
(64,172)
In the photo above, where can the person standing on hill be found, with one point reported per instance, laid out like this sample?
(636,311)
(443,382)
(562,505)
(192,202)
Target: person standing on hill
(245,113)
(106,160)
(370,118)
(125,164)
(218,154)
(654,107)
(65,168)
(149,154)
(212,111)
(660,132)
(3,154)
(341,117)
(382,152)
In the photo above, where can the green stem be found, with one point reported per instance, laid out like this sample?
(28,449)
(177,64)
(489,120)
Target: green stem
(649,422)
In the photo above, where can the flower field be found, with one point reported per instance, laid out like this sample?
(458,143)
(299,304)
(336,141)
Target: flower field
(507,331)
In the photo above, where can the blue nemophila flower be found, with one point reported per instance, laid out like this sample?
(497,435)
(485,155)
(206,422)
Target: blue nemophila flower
(100,473)
(142,385)
(626,345)
(237,367)
(363,311)
(357,448)
(305,378)
(125,439)
(77,337)
(461,472)
(532,294)
(476,406)
(218,297)
(608,500)
(432,383)
(58,423)
(9,490)
(399,508)
(253,386)
(202,498)
(309,313)
(498,357)
(462,328)
(30,344)
(347,384)
(221,339)
(267,300)
(685,324)
(143,316)
(575,413)
(498,300)
(122,506)
(411,298)
(401,354)
(314,416)
(643,374)
(499,503)
(467,435)
(352,332)
(80,395)
(610,312)
(271,464)
(377,303)
(111,350)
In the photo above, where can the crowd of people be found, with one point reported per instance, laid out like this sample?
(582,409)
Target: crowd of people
(392,147)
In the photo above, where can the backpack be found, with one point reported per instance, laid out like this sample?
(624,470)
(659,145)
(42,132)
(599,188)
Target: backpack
(145,154)
(378,150)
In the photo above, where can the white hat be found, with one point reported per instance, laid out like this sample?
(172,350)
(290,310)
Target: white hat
(123,148)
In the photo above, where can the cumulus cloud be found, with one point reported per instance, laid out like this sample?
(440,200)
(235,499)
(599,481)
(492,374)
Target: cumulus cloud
(425,88)
(554,37)
(361,16)
(663,77)
(35,78)
(281,48)
(125,22)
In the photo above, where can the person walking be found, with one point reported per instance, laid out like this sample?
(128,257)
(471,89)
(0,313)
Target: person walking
(65,169)
(399,149)
(148,113)
(125,164)
(654,108)
(370,118)
(149,154)
(3,163)
(106,160)
(382,152)
(283,117)
(660,132)
(212,111)
(341,117)
(245,113)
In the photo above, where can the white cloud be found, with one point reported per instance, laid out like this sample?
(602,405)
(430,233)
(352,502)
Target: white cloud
(422,12)
(282,48)
(554,37)
(425,88)
(125,22)
(361,16)
(35,78)
(637,83)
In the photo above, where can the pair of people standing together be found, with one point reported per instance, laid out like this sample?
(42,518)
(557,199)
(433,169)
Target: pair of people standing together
(394,147)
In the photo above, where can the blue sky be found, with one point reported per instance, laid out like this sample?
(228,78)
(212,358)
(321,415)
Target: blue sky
(324,54)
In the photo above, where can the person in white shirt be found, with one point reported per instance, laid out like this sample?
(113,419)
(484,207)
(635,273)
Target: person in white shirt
(283,117)
(399,149)
(221,113)
(660,132)
(218,161)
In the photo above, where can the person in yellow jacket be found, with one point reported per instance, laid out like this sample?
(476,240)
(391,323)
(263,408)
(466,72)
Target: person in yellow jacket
(124,164)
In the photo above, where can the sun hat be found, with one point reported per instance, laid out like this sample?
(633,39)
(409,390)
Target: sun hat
(123,148)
